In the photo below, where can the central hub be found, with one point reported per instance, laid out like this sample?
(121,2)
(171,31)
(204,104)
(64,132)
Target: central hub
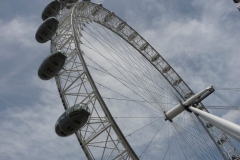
(195,99)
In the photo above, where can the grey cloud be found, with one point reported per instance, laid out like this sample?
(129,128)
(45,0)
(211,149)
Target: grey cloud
(198,38)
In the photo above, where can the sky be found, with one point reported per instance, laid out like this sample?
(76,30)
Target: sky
(199,39)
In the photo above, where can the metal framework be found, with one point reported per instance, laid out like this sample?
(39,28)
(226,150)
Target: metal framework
(228,127)
(75,84)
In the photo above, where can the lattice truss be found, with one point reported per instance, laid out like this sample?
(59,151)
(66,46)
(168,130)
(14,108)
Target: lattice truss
(99,134)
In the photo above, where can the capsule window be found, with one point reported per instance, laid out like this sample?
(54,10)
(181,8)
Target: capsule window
(49,27)
(69,128)
(77,107)
(56,64)
(40,37)
(63,133)
(77,121)
(50,70)
(62,63)
(53,56)
(73,114)
(45,33)
(44,75)
(49,12)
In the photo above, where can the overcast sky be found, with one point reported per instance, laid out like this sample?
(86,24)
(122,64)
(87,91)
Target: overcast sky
(200,40)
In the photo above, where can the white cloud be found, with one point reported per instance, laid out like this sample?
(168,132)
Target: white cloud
(28,131)
(200,49)
(19,30)
(20,53)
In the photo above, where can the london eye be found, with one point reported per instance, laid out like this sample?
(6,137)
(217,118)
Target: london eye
(123,100)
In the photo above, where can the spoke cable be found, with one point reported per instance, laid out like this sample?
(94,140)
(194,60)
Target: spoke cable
(129,88)
(142,127)
(145,150)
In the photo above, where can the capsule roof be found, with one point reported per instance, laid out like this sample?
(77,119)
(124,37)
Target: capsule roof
(82,106)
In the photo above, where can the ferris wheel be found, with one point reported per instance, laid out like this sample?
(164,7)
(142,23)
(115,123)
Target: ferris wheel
(122,98)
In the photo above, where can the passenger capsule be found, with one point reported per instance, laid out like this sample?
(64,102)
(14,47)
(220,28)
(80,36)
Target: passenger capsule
(71,120)
(51,10)
(51,65)
(46,31)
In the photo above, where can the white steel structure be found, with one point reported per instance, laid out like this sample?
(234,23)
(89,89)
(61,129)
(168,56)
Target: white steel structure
(228,127)
(128,87)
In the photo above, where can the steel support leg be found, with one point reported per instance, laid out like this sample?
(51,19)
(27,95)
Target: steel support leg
(226,126)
